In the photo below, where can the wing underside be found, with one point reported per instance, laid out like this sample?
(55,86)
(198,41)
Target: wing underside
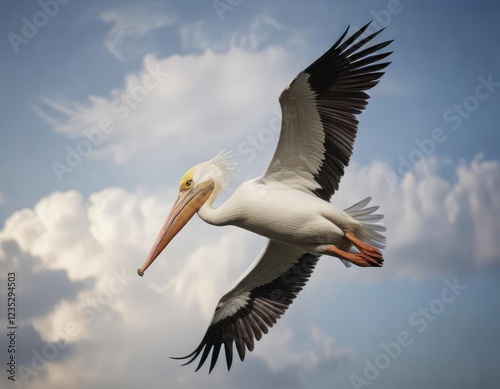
(247,311)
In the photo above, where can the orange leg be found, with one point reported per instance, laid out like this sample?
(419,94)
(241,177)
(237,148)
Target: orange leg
(367,256)
(365,248)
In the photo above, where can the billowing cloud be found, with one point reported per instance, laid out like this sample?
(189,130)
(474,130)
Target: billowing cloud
(178,103)
(41,288)
(436,225)
(36,292)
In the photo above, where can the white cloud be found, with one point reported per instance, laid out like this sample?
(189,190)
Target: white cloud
(436,226)
(130,27)
(229,251)
(476,196)
(195,35)
(320,350)
(196,103)
(88,238)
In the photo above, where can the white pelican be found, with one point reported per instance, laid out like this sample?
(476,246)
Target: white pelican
(289,202)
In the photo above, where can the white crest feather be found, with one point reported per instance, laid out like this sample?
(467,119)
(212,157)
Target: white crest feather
(227,165)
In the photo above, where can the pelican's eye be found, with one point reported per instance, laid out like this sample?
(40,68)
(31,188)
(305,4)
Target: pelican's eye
(188,183)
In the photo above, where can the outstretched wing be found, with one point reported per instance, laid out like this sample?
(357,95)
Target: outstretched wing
(255,302)
(319,110)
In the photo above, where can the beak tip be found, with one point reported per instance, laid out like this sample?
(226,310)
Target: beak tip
(141,273)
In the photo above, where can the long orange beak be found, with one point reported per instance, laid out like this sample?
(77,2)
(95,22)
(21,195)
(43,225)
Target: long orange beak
(186,205)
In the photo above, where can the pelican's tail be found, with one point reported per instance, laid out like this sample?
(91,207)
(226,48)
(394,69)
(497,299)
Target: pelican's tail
(372,228)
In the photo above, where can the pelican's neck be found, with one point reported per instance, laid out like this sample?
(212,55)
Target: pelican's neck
(211,215)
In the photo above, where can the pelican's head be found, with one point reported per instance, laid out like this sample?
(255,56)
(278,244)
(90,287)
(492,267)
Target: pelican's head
(199,184)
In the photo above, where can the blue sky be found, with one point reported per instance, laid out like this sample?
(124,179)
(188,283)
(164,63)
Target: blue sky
(107,103)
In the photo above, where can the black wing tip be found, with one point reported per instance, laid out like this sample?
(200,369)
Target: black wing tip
(357,34)
(193,355)
(265,313)
(366,25)
(179,358)
(368,38)
(204,349)
(202,362)
(356,64)
(347,45)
